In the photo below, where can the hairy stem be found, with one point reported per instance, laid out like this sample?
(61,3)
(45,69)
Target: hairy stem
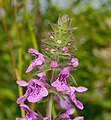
(50,99)
(49,105)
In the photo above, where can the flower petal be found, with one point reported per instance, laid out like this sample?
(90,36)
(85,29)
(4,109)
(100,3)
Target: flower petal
(32,65)
(60,87)
(21,83)
(35,81)
(32,51)
(56,98)
(25,107)
(81,89)
(42,75)
(30,115)
(21,99)
(43,91)
(34,97)
(79,118)
(64,104)
(79,104)
(70,111)
(47,118)
(75,62)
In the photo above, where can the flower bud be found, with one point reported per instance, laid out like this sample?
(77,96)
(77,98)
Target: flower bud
(65,49)
(74,62)
(53,64)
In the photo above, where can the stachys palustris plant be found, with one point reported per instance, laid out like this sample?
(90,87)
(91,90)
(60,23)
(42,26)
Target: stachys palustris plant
(53,67)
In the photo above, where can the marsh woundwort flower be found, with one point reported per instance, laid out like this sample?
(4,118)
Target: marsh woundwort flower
(61,83)
(41,75)
(72,94)
(65,49)
(30,115)
(63,103)
(53,64)
(35,91)
(39,59)
(66,115)
(75,62)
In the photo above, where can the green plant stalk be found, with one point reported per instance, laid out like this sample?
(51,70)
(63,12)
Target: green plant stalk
(20,74)
(18,71)
(50,99)
(20,90)
(54,112)
(33,38)
(49,105)
(14,61)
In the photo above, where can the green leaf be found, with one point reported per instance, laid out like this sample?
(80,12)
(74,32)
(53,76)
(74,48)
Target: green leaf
(54,26)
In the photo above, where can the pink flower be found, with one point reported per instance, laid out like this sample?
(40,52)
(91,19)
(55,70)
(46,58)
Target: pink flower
(74,62)
(72,94)
(65,49)
(42,76)
(60,83)
(39,59)
(35,91)
(66,115)
(47,118)
(31,115)
(79,118)
(53,64)
(64,104)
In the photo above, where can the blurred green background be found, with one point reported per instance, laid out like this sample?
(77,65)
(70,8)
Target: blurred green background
(25,22)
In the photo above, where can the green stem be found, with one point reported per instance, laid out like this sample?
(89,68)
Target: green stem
(54,112)
(50,99)
(14,61)
(49,105)
(20,90)
(20,73)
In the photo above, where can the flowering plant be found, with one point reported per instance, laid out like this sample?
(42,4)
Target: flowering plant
(58,58)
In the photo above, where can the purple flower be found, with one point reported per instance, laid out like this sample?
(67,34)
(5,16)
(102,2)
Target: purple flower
(61,83)
(66,115)
(35,91)
(53,64)
(64,104)
(72,94)
(65,49)
(42,76)
(74,62)
(79,118)
(39,59)
(31,115)
(47,118)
